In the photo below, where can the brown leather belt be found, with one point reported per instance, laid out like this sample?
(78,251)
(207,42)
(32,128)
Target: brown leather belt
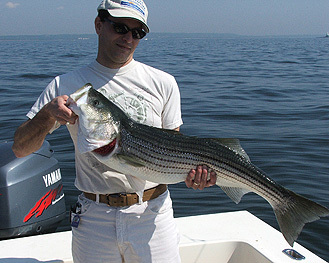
(128,199)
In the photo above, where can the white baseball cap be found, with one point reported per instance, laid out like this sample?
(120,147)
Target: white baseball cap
(135,9)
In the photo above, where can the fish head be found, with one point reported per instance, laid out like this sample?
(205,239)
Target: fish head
(99,120)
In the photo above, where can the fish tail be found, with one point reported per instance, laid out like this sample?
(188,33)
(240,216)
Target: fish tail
(295,212)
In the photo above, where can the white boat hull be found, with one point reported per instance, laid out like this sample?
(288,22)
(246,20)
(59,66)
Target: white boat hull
(235,237)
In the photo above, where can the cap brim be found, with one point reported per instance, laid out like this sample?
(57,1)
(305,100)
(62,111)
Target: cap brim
(119,13)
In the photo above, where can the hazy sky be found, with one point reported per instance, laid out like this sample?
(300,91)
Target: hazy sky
(245,17)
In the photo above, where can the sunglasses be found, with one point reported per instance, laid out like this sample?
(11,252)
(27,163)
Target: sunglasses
(122,29)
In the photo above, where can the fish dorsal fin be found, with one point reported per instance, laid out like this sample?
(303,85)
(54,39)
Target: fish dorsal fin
(235,193)
(233,144)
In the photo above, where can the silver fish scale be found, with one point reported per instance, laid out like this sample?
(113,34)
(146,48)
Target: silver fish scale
(169,156)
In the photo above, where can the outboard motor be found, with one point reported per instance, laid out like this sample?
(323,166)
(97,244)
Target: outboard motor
(31,192)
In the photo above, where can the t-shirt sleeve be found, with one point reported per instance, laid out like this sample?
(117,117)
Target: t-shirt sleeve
(46,96)
(171,115)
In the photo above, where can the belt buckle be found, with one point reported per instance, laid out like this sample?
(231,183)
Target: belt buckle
(121,199)
(117,200)
(117,195)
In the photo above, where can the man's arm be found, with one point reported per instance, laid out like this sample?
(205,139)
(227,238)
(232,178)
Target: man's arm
(30,136)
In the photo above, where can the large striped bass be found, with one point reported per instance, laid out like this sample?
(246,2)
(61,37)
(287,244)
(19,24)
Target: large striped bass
(166,157)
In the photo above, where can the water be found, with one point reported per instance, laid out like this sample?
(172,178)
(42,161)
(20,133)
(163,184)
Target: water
(271,93)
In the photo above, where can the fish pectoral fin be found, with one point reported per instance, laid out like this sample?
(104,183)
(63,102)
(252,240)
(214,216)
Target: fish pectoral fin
(233,144)
(130,160)
(235,193)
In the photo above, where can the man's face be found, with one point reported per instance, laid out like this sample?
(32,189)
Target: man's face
(115,50)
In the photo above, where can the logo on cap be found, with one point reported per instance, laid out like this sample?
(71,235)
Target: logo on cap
(135,4)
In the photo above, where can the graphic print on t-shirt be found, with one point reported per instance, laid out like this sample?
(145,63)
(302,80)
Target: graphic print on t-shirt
(134,105)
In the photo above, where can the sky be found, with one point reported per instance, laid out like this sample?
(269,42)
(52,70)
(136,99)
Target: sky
(242,17)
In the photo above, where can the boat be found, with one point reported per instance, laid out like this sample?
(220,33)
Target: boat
(232,237)
(26,219)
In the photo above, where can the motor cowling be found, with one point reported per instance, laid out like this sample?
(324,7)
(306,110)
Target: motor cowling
(31,192)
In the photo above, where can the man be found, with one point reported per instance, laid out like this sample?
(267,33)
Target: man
(109,226)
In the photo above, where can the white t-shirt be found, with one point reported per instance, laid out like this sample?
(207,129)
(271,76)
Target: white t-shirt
(149,96)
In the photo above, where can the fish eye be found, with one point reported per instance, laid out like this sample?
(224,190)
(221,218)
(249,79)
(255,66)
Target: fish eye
(96,103)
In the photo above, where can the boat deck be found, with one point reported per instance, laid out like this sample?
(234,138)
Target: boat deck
(235,237)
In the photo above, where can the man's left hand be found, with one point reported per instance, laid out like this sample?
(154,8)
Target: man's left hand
(198,178)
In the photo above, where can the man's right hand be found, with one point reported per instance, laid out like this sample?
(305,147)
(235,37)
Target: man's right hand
(58,110)
(30,136)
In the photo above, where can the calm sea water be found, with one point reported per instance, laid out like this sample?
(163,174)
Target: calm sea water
(271,93)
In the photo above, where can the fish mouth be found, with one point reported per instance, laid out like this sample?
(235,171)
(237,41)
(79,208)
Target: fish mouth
(106,149)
